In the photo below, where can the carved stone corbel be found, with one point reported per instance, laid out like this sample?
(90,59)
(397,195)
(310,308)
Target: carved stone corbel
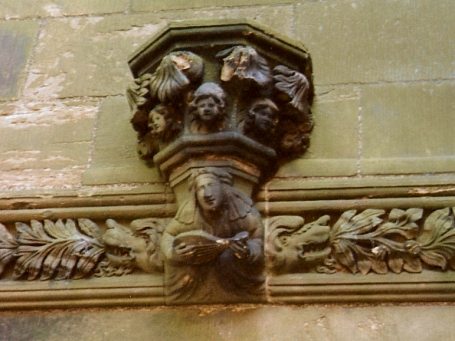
(233,96)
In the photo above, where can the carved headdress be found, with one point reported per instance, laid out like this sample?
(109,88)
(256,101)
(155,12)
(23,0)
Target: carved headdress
(235,204)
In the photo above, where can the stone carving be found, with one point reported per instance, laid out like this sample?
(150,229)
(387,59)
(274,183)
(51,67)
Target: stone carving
(207,110)
(213,248)
(230,113)
(260,121)
(137,247)
(270,106)
(231,110)
(79,249)
(156,101)
(363,242)
(245,64)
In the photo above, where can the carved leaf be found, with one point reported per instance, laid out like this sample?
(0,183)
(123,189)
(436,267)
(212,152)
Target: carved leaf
(350,224)
(402,223)
(244,63)
(437,240)
(7,248)
(364,265)
(55,250)
(344,219)
(175,72)
(344,255)
(138,91)
(395,262)
(295,85)
(379,266)
(89,228)
(411,263)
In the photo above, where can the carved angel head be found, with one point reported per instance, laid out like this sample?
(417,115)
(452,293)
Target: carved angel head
(163,123)
(261,120)
(207,109)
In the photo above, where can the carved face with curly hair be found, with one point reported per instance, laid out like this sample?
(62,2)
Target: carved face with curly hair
(208,109)
(261,116)
(163,123)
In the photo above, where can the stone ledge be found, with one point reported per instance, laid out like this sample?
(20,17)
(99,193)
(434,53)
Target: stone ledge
(142,289)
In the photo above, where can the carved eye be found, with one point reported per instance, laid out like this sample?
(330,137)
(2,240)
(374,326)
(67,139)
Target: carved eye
(284,240)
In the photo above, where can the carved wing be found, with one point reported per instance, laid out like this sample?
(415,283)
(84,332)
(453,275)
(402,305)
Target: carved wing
(295,85)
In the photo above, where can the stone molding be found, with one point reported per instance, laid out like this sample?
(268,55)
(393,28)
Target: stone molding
(146,289)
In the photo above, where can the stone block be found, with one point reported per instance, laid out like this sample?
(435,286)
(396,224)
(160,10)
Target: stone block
(58,8)
(52,135)
(406,128)
(151,5)
(88,56)
(38,179)
(374,41)
(236,323)
(16,43)
(114,156)
(334,143)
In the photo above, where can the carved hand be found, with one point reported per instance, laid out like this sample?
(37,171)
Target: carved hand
(183,252)
(239,245)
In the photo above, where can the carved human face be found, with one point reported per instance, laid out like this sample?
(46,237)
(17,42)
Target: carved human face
(263,118)
(207,109)
(157,122)
(209,192)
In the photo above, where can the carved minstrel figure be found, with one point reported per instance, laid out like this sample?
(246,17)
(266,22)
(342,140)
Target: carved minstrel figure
(207,110)
(213,248)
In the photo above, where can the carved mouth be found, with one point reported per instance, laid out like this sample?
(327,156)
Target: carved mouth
(209,201)
(314,251)
(120,255)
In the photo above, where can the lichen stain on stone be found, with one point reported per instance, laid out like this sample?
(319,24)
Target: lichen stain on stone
(81,23)
(50,87)
(53,10)
(23,114)
(33,179)
(13,58)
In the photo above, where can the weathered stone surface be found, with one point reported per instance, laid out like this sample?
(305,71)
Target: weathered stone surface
(421,322)
(277,17)
(151,5)
(114,157)
(406,128)
(46,135)
(16,43)
(371,41)
(11,9)
(88,56)
(27,179)
(334,140)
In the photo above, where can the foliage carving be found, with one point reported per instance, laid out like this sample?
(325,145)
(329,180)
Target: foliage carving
(364,242)
(79,249)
